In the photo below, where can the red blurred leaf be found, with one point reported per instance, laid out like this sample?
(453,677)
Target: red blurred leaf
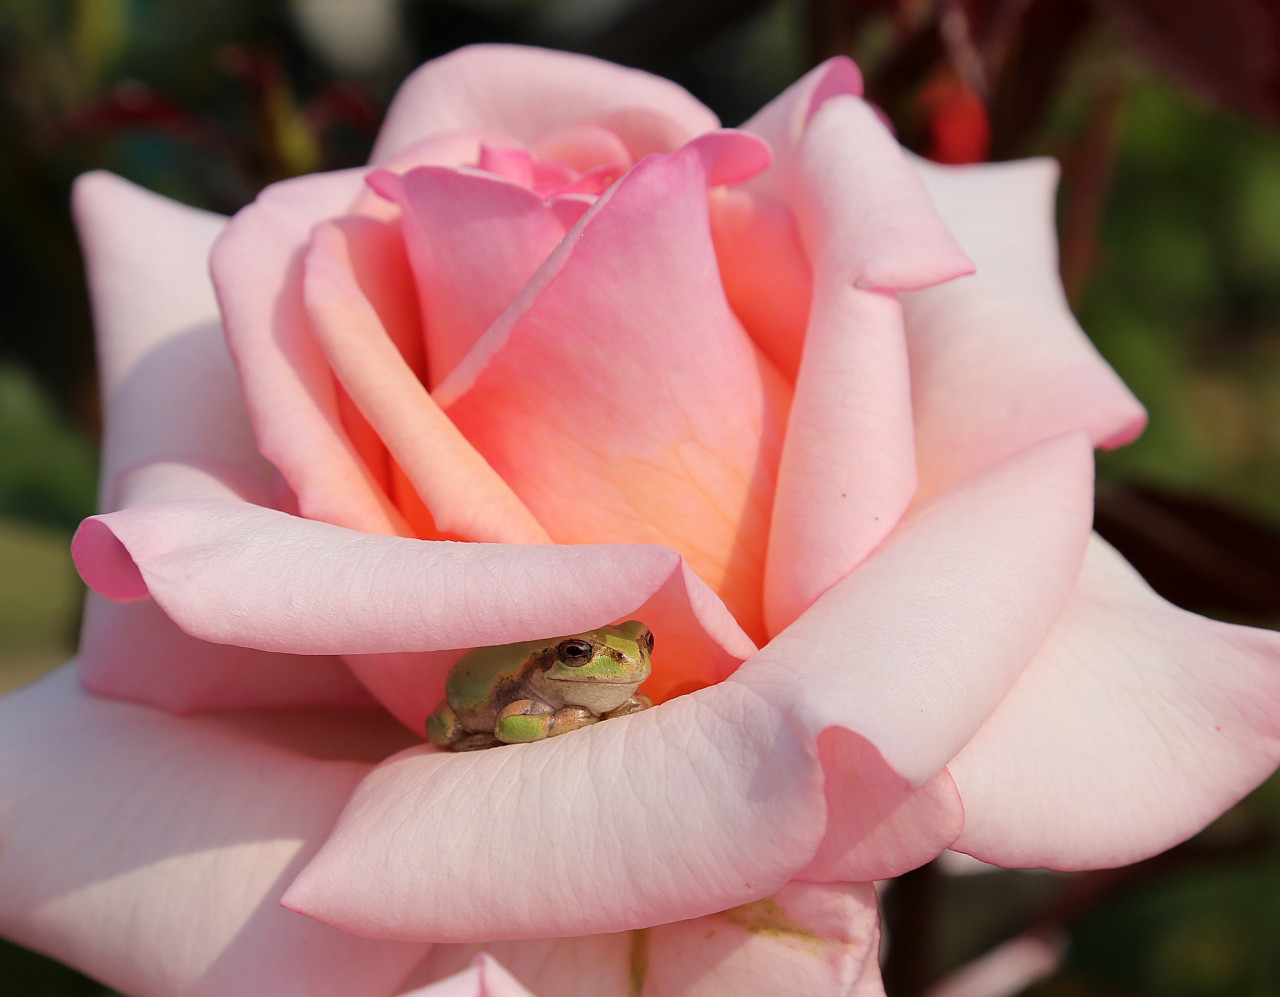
(1087,167)
(959,130)
(130,104)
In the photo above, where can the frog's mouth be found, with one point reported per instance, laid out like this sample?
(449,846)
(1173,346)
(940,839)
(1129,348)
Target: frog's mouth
(598,697)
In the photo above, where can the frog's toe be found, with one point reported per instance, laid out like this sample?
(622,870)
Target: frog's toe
(518,722)
(635,704)
(443,728)
(570,718)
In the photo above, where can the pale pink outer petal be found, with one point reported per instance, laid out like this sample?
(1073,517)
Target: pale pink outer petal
(782,121)
(878,825)
(257,267)
(582,966)
(151,852)
(766,273)
(527,93)
(1135,725)
(236,573)
(705,802)
(916,648)
(170,393)
(137,653)
(349,265)
(620,397)
(997,360)
(870,983)
(1006,970)
(485,977)
(863,212)
(806,941)
(168,387)
(847,472)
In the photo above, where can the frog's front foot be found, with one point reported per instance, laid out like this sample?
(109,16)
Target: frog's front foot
(635,704)
(443,728)
(571,718)
(529,720)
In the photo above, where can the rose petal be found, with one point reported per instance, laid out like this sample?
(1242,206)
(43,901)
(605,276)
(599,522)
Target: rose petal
(782,121)
(613,423)
(847,471)
(137,653)
(1136,724)
(811,940)
(878,826)
(151,852)
(863,213)
(917,647)
(171,393)
(806,939)
(350,285)
(474,241)
(485,977)
(334,462)
(257,270)
(766,272)
(235,573)
(585,966)
(584,147)
(766,275)
(861,210)
(645,131)
(870,983)
(527,94)
(696,805)
(160,345)
(997,360)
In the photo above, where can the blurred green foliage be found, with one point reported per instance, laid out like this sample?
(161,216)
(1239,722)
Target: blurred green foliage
(1185,302)
(49,472)
(47,481)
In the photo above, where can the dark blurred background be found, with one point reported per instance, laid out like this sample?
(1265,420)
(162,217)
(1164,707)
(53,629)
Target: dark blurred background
(1164,114)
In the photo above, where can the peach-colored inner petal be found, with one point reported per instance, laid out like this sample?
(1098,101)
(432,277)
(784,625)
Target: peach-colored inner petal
(359,310)
(625,403)
(584,146)
(474,240)
(766,274)
(287,381)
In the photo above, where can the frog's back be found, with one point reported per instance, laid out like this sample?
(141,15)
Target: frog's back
(479,677)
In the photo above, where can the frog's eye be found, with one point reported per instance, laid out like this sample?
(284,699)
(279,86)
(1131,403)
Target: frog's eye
(647,640)
(574,653)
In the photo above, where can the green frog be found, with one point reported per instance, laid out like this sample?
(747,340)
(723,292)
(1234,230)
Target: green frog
(534,689)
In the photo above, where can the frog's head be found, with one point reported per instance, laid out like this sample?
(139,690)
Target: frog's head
(599,669)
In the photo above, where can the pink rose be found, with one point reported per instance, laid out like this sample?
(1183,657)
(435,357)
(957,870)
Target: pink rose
(733,383)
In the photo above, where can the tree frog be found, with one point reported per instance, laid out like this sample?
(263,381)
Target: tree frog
(511,693)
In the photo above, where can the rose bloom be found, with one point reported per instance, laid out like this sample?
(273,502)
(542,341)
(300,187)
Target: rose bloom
(568,353)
